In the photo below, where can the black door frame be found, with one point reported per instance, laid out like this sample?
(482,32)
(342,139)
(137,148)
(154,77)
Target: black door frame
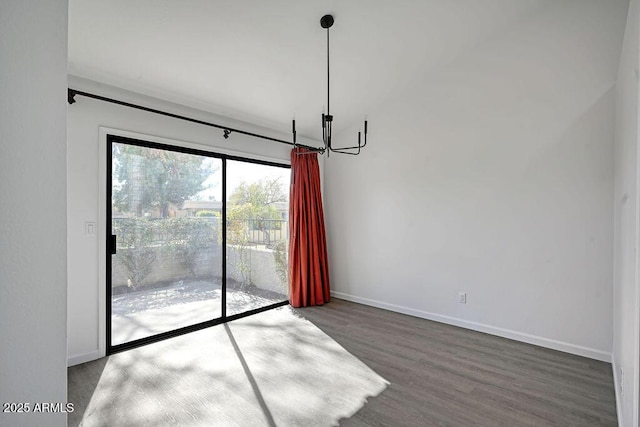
(111,349)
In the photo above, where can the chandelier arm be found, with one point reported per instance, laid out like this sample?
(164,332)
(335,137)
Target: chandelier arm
(339,151)
(355,147)
(359,146)
(348,150)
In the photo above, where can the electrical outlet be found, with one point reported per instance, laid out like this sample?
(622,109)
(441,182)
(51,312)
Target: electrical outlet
(621,382)
(462,297)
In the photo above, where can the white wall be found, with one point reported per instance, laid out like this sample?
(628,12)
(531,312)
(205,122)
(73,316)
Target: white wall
(626,307)
(33,276)
(492,175)
(86,189)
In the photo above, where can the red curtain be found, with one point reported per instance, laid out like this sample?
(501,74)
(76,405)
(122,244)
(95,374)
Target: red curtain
(308,265)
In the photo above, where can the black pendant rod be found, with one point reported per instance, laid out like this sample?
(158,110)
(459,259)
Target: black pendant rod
(71,93)
(328,90)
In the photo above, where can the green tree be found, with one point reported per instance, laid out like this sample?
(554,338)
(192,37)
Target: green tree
(249,206)
(135,249)
(149,178)
(258,199)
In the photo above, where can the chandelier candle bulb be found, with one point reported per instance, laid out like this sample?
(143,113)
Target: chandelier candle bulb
(293,126)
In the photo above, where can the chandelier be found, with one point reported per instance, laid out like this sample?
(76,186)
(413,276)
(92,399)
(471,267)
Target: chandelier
(327,119)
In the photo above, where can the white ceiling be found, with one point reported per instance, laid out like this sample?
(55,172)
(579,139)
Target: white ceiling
(265,61)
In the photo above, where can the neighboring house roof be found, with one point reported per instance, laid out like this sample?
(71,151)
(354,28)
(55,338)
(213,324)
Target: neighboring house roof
(202,204)
(216,205)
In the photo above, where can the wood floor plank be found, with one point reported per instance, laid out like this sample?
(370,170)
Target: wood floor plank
(443,375)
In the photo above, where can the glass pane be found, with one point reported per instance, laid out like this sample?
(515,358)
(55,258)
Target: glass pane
(257,235)
(166,273)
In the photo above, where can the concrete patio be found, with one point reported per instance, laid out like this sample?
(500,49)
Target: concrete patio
(182,303)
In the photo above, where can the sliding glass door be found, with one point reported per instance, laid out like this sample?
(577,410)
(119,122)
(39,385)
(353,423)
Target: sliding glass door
(184,250)
(257,235)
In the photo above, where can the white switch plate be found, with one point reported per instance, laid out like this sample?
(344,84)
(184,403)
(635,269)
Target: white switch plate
(462,297)
(90,228)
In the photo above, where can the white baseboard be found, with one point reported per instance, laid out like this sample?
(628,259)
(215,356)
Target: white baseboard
(480,327)
(83,358)
(616,386)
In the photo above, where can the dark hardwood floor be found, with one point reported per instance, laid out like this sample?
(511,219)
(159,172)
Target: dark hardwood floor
(445,375)
(283,367)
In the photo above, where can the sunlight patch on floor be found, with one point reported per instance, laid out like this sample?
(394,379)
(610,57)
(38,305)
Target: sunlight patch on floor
(273,368)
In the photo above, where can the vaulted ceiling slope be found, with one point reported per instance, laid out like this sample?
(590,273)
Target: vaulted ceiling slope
(264,62)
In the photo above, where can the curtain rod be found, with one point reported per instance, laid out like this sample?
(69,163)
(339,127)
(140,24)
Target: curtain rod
(71,93)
